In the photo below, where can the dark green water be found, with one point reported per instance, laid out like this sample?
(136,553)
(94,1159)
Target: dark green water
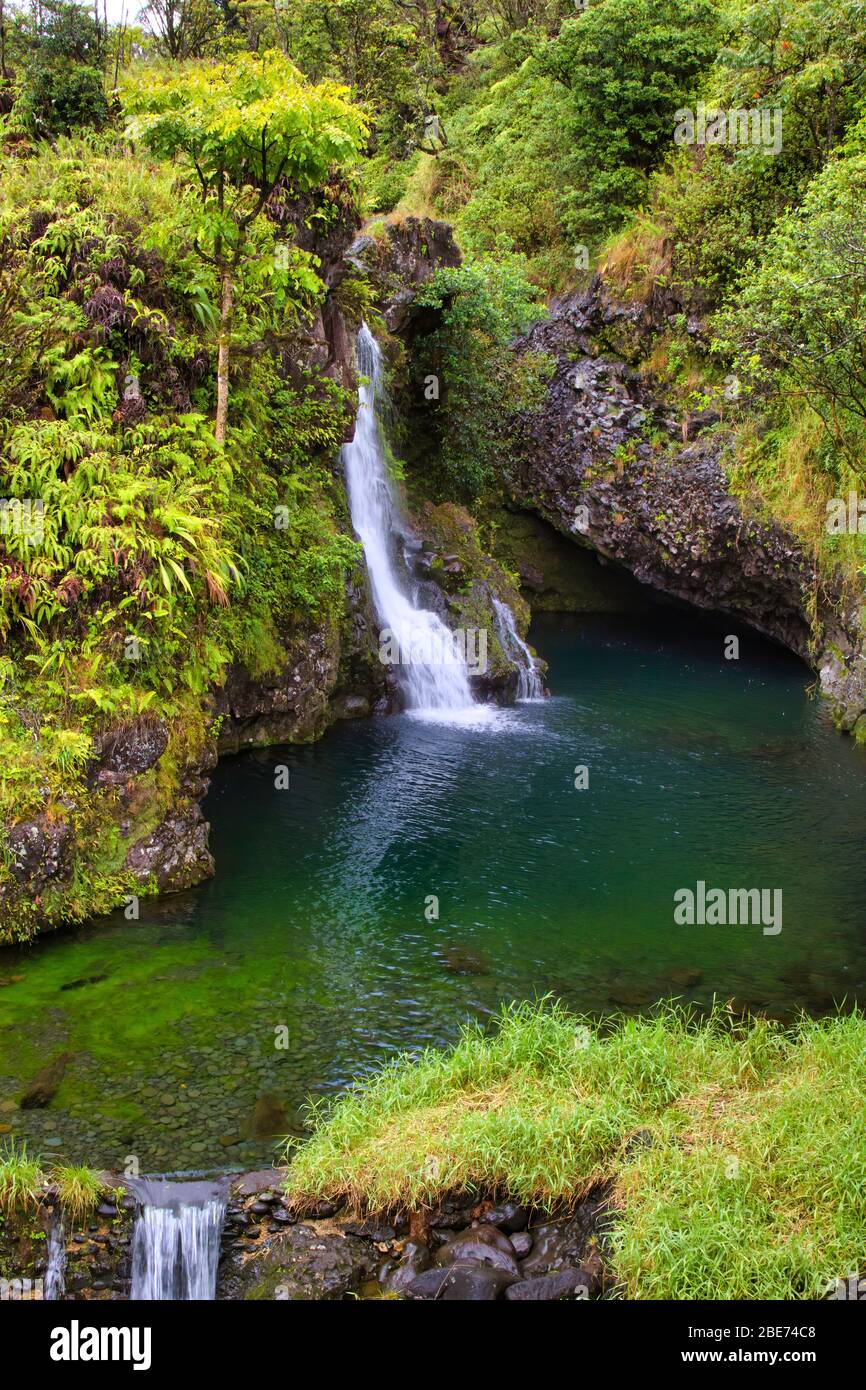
(699,768)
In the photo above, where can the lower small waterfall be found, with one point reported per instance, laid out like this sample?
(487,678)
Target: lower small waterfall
(529,686)
(176,1239)
(54,1284)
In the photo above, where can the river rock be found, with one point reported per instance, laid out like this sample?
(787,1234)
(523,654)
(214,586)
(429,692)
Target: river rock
(415,1260)
(522,1242)
(685,978)
(565,1283)
(467,1283)
(508,1216)
(482,1245)
(553,1247)
(268,1116)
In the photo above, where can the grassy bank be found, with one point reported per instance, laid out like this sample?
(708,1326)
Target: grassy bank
(735,1149)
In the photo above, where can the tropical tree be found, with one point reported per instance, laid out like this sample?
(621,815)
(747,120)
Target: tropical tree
(244,127)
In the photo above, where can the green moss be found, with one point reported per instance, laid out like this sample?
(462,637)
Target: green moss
(557,574)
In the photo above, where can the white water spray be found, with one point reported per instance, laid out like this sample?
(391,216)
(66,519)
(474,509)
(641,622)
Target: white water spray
(431,669)
(529,686)
(176,1240)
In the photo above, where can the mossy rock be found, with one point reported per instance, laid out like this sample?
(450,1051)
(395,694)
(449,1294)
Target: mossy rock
(557,575)
(471,579)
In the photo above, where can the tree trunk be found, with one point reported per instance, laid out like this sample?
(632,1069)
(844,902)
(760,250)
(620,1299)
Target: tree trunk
(222,407)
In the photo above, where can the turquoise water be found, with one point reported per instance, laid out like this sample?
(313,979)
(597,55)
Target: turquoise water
(320,932)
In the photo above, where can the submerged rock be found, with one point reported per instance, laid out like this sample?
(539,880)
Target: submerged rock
(465,960)
(269,1117)
(41,1090)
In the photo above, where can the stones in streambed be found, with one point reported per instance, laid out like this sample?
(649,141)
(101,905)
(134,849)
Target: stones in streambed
(628,993)
(550,1258)
(328,1254)
(269,1117)
(454,1214)
(271,1251)
(685,978)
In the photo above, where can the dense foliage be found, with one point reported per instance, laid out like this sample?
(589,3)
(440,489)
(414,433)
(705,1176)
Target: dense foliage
(482,307)
(139,552)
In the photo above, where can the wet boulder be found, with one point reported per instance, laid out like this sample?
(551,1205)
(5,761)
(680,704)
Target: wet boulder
(480,1245)
(461,1283)
(565,1283)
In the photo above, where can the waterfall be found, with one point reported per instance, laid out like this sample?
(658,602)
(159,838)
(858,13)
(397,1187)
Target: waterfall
(54,1285)
(176,1239)
(431,669)
(529,686)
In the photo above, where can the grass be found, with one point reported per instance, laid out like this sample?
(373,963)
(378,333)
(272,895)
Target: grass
(20,1180)
(78,1189)
(637,258)
(787,466)
(24,1183)
(750,1182)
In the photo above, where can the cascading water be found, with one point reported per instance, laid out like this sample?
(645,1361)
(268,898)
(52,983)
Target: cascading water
(54,1285)
(529,686)
(176,1240)
(431,668)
